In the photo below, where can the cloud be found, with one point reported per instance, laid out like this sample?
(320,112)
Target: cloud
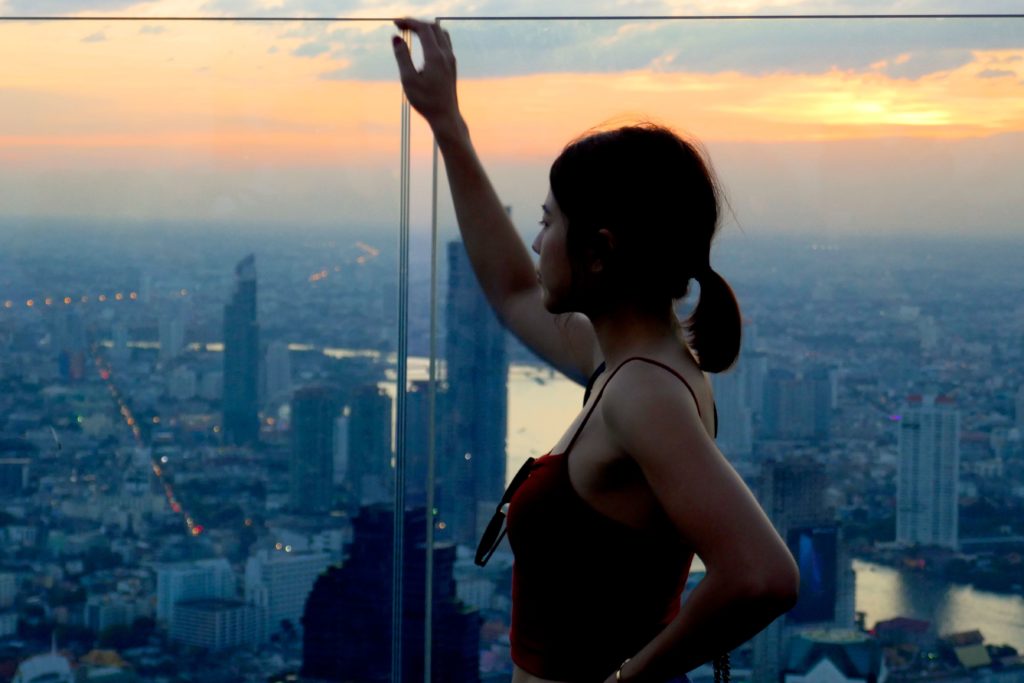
(996,73)
(924,63)
(62,7)
(97,37)
(313,49)
(152,30)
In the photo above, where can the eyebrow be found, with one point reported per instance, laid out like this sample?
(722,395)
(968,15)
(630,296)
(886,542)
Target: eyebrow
(545,208)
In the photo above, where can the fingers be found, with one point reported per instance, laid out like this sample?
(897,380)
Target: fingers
(406,69)
(424,31)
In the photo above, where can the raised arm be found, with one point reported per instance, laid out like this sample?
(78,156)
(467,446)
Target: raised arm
(751,575)
(499,257)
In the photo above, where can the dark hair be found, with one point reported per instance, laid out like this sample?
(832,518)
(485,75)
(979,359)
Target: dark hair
(658,196)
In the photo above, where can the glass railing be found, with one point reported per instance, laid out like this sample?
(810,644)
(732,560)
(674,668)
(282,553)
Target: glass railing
(237,337)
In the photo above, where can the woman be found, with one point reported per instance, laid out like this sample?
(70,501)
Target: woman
(603,540)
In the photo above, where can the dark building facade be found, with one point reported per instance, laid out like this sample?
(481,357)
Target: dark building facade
(347,620)
(472,461)
(311,466)
(242,358)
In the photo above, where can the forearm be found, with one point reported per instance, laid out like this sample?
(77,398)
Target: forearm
(496,251)
(716,618)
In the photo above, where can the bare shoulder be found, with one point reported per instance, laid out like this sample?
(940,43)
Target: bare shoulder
(652,418)
(644,394)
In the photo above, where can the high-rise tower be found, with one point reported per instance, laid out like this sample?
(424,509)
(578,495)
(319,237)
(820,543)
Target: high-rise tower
(311,468)
(369,450)
(242,358)
(472,463)
(929,475)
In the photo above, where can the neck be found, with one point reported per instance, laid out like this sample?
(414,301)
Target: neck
(625,332)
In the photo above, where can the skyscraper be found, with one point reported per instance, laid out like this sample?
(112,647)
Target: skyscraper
(280,582)
(311,467)
(798,406)
(347,621)
(190,581)
(472,462)
(172,333)
(792,494)
(735,417)
(279,371)
(241,358)
(929,474)
(369,444)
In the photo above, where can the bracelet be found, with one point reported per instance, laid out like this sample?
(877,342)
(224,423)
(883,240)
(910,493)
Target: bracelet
(618,672)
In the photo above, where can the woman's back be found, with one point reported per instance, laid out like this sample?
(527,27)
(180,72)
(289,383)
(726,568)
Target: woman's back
(590,587)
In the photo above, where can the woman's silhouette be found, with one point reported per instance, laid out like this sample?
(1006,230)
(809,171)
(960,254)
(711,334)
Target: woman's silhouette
(603,539)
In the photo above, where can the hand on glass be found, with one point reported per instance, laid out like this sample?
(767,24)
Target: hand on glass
(431,91)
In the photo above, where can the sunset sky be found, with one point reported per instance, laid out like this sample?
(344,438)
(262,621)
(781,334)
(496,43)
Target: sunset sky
(895,125)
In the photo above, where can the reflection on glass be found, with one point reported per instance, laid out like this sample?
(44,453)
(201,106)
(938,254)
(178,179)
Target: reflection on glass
(198,323)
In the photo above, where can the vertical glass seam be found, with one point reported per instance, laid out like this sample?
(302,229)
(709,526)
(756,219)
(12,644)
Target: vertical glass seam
(397,574)
(431,430)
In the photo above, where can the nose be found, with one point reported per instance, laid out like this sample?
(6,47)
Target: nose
(536,244)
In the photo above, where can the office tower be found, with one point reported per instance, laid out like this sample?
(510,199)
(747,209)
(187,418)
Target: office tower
(217,624)
(347,623)
(172,333)
(792,494)
(241,358)
(340,449)
(191,581)
(71,343)
(798,406)
(119,351)
(418,441)
(929,474)
(280,582)
(735,417)
(311,466)
(279,372)
(8,590)
(369,444)
(473,459)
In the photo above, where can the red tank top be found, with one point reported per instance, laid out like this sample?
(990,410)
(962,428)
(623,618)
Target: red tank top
(587,590)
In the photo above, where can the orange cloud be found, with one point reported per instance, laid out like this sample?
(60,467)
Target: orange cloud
(219,93)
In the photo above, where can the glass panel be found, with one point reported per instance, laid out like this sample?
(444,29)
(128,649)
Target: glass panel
(199,325)
(870,231)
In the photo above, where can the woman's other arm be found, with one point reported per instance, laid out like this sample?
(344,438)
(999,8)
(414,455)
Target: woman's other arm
(751,576)
(500,259)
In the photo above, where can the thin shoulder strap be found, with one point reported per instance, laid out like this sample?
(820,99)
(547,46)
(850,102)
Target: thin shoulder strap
(597,400)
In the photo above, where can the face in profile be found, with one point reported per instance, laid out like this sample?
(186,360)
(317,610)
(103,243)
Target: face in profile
(554,270)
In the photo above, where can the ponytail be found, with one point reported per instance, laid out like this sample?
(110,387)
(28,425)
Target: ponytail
(715,325)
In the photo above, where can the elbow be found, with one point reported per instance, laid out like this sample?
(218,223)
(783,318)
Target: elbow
(777,589)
